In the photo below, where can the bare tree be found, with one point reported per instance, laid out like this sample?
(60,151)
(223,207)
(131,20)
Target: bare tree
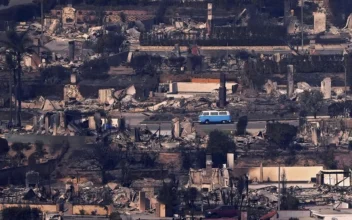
(18,44)
(104,158)
(236,194)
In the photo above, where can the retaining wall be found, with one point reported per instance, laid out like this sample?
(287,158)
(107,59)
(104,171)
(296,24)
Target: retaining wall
(271,174)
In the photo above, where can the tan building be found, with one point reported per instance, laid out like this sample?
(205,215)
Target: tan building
(271,174)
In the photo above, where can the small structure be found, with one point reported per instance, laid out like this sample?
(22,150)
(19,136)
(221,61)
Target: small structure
(71,92)
(176,127)
(106,96)
(326,88)
(334,178)
(230,160)
(32,179)
(319,22)
(270,87)
(172,87)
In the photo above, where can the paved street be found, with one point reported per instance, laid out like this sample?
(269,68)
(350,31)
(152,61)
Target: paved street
(16,2)
(252,127)
(132,119)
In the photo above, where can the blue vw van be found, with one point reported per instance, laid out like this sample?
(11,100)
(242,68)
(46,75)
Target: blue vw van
(207,117)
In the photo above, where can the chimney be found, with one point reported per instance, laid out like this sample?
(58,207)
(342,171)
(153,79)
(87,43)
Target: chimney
(62,120)
(56,120)
(176,127)
(209,162)
(69,3)
(47,123)
(209,18)
(230,160)
(290,82)
(36,42)
(73,78)
(8,26)
(261,173)
(121,123)
(177,50)
(173,87)
(71,50)
(53,56)
(222,79)
(222,91)
(137,137)
(142,201)
(35,122)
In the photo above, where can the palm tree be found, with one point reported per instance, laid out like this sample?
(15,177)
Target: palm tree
(19,44)
(242,188)
(10,66)
(190,195)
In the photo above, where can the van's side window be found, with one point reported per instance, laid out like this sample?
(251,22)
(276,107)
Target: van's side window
(222,113)
(205,113)
(214,113)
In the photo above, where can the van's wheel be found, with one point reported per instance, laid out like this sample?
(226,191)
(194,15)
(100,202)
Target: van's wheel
(214,216)
(206,121)
(224,122)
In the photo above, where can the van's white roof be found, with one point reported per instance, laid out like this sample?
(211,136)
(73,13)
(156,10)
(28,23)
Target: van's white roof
(216,111)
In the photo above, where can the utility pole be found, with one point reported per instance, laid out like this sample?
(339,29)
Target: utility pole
(345,57)
(345,81)
(201,190)
(42,21)
(279,197)
(302,4)
(10,93)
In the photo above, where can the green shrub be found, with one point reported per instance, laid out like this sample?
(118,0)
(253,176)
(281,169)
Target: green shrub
(95,69)
(55,75)
(115,216)
(21,213)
